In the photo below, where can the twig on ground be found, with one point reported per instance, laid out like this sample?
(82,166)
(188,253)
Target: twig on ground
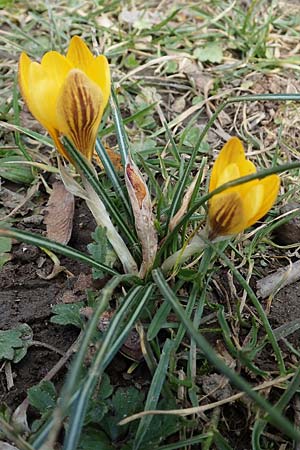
(271,284)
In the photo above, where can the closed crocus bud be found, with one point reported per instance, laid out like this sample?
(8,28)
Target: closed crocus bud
(67,94)
(239,207)
(142,210)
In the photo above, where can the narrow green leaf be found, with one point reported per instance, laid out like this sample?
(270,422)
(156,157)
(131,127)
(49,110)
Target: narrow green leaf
(284,400)
(154,392)
(113,176)
(255,302)
(16,109)
(120,131)
(130,308)
(186,442)
(157,321)
(174,148)
(129,119)
(70,391)
(84,166)
(220,442)
(40,241)
(275,417)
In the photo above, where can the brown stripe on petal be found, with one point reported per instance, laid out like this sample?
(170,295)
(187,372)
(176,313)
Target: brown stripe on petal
(227,214)
(79,111)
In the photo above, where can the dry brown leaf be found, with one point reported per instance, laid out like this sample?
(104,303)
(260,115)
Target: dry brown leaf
(193,71)
(113,156)
(179,105)
(59,214)
(143,216)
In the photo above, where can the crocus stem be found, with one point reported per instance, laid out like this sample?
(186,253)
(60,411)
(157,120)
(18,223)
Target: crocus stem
(195,246)
(102,218)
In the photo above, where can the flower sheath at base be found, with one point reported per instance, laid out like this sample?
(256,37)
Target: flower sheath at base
(67,94)
(239,207)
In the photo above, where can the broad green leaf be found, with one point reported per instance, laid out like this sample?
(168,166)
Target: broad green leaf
(98,407)
(101,251)
(68,314)
(211,52)
(5,244)
(4,258)
(14,343)
(125,402)
(94,439)
(161,426)
(13,169)
(42,396)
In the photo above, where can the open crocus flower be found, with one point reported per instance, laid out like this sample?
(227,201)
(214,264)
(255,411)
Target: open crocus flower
(239,207)
(67,94)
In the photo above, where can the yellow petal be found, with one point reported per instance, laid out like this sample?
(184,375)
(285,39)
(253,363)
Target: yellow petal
(96,68)
(79,54)
(40,85)
(253,200)
(230,172)
(232,152)
(270,187)
(79,111)
(246,168)
(99,72)
(23,74)
(226,214)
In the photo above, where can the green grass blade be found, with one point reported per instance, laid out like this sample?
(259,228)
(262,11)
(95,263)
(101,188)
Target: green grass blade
(220,442)
(186,442)
(83,166)
(17,122)
(73,376)
(120,131)
(126,120)
(174,148)
(276,417)
(118,342)
(40,241)
(256,303)
(13,435)
(33,134)
(284,400)
(113,176)
(131,307)
(152,179)
(157,321)
(69,394)
(154,392)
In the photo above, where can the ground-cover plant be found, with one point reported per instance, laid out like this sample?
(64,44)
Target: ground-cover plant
(176,352)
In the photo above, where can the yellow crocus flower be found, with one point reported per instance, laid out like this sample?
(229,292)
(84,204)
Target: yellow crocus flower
(67,94)
(239,207)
